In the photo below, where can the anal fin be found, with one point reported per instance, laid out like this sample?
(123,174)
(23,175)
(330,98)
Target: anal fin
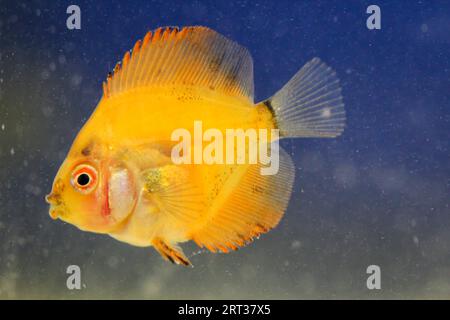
(173,254)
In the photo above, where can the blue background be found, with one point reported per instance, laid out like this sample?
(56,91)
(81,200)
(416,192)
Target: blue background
(379,194)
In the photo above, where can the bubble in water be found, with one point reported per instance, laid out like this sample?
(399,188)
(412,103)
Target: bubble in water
(296,245)
(76,80)
(113,262)
(45,75)
(62,59)
(424,28)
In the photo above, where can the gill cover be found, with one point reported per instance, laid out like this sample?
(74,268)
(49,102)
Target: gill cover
(121,194)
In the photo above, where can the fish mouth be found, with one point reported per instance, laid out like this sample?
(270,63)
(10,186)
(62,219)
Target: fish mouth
(55,201)
(53,198)
(55,213)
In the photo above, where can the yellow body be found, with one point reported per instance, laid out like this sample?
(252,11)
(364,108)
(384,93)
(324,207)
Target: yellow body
(120,178)
(134,129)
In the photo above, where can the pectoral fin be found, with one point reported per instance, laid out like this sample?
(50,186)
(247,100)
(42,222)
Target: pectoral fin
(174,191)
(172,253)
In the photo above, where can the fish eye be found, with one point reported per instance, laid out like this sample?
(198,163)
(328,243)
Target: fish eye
(84,178)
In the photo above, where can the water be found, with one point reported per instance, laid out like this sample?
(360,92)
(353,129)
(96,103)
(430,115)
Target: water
(378,195)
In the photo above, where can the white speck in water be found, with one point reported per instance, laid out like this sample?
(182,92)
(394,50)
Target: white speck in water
(424,28)
(62,59)
(296,245)
(416,240)
(34,190)
(326,113)
(47,111)
(45,74)
(12,151)
(113,262)
(76,80)
(3,127)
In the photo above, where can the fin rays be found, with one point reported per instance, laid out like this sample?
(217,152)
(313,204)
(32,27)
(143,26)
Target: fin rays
(254,206)
(192,56)
(310,104)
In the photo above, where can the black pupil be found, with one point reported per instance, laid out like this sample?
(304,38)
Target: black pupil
(83,179)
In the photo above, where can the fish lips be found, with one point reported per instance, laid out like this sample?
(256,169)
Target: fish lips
(55,201)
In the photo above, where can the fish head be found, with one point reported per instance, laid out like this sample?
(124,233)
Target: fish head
(92,191)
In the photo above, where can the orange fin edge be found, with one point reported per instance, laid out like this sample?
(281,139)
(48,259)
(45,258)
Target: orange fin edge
(242,241)
(139,45)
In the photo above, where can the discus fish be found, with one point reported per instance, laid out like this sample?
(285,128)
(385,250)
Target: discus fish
(119,177)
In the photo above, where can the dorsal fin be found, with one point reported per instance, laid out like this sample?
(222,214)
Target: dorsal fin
(192,56)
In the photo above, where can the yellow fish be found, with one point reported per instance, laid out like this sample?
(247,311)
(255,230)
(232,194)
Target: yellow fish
(119,177)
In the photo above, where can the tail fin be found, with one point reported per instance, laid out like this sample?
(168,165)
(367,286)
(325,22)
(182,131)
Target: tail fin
(310,104)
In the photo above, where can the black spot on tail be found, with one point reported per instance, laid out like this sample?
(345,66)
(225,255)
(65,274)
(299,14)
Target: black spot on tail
(269,106)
